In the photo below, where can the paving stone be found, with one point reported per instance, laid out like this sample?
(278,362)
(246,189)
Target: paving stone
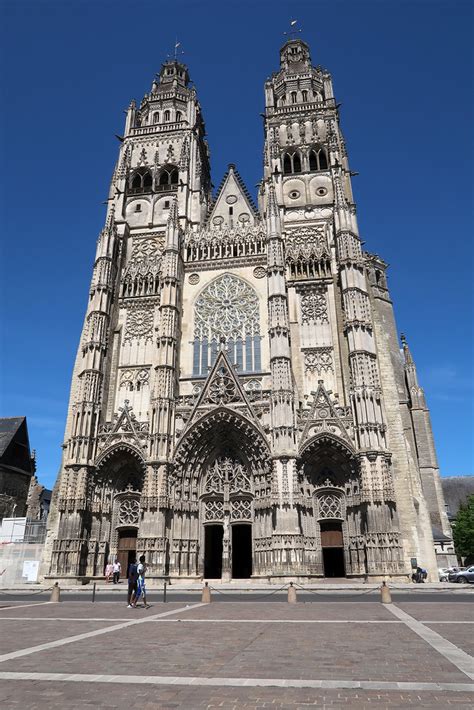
(462,635)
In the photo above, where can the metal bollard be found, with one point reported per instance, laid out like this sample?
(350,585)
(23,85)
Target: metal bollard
(55,593)
(164,591)
(291,594)
(386,597)
(93,593)
(206,593)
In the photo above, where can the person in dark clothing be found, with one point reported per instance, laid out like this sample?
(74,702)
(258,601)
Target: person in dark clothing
(132,582)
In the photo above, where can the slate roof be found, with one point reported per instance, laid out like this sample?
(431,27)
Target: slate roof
(457,490)
(8,428)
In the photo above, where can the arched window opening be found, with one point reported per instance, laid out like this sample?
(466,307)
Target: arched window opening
(294,97)
(287,165)
(174,177)
(168,178)
(156,117)
(304,95)
(318,159)
(138,207)
(323,161)
(141,181)
(179,115)
(166,116)
(227,310)
(296,163)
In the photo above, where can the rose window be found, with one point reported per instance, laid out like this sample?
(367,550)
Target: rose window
(227,310)
(129,512)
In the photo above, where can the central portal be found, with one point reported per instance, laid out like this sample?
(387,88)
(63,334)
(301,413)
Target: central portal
(332,543)
(241,551)
(213,535)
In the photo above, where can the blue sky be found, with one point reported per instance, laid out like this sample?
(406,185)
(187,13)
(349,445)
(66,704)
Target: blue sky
(402,71)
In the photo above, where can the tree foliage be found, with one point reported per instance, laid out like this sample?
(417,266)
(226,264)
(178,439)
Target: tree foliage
(463,529)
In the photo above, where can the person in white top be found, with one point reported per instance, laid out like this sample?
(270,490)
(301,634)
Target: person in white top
(117,570)
(141,589)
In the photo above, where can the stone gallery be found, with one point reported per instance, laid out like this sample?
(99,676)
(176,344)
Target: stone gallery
(240,403)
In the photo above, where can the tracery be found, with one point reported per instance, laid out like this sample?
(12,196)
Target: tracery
(227,311)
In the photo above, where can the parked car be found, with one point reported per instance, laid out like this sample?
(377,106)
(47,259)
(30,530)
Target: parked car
(463,575)
(443,574)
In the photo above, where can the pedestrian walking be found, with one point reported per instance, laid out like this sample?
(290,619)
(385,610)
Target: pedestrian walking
(117,568)
(141,587)
(132,583)
(109,571)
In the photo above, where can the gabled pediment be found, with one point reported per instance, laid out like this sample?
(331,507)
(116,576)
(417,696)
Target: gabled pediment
(124,428)
(233,205)
(222,388)
(326,416)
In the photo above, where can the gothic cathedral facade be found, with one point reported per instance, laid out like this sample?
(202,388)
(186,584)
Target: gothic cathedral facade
(240,404)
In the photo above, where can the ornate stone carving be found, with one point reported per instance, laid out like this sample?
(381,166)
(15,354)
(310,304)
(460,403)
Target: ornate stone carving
(139,324)
(229,307)
(307,243)
(314,307)
(330,505)
(194,279)
(318,360)
(259,272)
(129,512)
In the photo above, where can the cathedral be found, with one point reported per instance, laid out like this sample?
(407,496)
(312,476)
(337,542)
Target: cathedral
(241,406)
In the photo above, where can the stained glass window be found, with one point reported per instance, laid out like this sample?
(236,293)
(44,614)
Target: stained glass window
(227,311)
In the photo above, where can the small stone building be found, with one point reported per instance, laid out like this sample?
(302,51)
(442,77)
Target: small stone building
(17,466)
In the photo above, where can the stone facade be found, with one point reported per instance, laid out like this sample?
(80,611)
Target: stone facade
(240,405)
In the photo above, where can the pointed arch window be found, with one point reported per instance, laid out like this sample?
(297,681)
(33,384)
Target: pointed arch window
(141,181)
(294,97)
(179,115)
(167,116)
(304,95)
(318,159)
(227,310)
(291,163)
(168,178)
(156,117)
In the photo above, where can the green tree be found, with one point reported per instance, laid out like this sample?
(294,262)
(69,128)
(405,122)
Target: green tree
(463,530)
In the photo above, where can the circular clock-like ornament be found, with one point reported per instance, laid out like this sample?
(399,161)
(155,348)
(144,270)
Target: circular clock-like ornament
(231,199)
(294,194)
(259,272)
(217,221)
(193,279)
(244,217)
(321,191)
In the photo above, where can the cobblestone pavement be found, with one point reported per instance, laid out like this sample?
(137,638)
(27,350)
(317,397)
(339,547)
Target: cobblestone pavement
(237,655)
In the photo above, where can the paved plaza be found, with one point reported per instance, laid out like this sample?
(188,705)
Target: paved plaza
(246,654)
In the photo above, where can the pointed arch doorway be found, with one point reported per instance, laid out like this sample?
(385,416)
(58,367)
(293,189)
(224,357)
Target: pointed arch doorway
(227,501)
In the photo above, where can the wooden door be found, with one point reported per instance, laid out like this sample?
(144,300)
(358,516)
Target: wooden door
(331,535)
(127,546)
